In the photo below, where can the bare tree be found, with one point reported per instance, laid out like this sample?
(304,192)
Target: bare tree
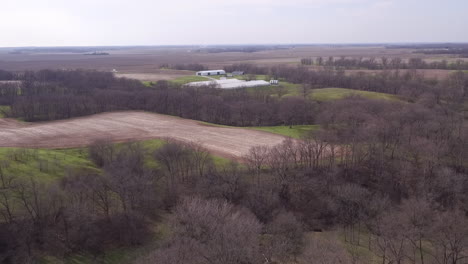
(284,240)
(450,237)
(213,231)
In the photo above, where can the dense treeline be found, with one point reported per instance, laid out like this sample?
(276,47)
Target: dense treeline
(384,63)
(391,177)
(410,84)
(50,95)
(6,75)
(462,52)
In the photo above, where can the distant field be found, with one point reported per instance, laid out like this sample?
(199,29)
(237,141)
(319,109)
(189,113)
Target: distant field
(327,94)
(143,60)
(294,131)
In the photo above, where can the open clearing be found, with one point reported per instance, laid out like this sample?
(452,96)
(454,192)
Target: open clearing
(156,75)
(133,125)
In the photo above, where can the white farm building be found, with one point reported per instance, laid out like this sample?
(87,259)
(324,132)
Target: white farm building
(230,84)
(210,73)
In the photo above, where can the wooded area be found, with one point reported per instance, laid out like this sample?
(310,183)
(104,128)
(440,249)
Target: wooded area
(394,172)
(385,63)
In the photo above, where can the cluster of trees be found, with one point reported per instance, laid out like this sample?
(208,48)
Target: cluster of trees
(463,52)
(391,176)
(82,212)
(384,63)
(247,68)
(51,95)
(6,75)
(410,84)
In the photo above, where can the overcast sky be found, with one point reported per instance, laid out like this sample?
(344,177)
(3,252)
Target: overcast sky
(180,22)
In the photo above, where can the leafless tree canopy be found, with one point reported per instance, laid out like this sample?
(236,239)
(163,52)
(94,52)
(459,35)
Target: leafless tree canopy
(380,180)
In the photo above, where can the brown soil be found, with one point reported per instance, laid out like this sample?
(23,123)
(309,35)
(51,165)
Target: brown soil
(132,125)
(9,123)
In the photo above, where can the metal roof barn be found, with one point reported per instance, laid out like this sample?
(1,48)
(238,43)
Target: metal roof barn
(212,72)
(230,84)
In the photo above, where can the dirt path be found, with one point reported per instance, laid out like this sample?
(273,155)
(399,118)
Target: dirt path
(132,125)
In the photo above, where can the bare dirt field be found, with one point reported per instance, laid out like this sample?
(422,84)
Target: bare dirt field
(132,125)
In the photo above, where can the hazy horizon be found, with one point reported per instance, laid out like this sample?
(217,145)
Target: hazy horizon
(29,23)
(239,44)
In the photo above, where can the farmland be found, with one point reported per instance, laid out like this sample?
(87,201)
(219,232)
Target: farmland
(120,167)
(126,126)
(144,62)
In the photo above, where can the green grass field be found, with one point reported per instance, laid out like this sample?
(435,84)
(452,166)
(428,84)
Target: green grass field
(242,77)
(45,164)
(328,94)
(3,110)
(218,77)
(257,77)
(53,164)
(148,83)
(188,79)
(294,132)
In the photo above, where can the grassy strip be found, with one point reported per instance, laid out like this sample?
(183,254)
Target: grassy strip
(328,94)
(3,110)
(46,164)
(294,131)
(148,83)
(188,79)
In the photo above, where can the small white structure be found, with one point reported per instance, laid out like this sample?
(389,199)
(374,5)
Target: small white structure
(274,82)
(210,73)
(230,84)
(114,70)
